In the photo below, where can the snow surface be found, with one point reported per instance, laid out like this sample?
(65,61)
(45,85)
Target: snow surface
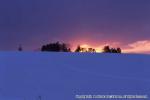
(61,76)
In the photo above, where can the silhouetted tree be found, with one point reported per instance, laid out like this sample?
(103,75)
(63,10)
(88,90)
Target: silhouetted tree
(57,47)
(113,50)
(69,50)
(91,50)
(106,49)
(83,50)
(78,49)
(64,48)
(118,50)
(94,50)
(20,48)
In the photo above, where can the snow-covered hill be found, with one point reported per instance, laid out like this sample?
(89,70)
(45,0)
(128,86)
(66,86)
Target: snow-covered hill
(61,76)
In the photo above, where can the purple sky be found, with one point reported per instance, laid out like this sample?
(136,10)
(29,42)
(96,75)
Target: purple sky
(36,22)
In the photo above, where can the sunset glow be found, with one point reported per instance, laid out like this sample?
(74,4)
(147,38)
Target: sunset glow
(142,46)
(88,23)
(98,49)
(138,47)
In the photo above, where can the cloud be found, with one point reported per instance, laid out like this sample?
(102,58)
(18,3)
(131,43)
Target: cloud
(138,47)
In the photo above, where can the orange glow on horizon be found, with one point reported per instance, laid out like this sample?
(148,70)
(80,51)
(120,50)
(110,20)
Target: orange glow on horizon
(86,42)
(142,47)
(97,49)
(98,46)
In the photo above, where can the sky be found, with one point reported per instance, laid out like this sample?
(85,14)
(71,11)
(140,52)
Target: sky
(91,23)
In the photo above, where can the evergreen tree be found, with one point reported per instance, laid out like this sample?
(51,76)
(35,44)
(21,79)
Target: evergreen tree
(91,50)
(106,49)
(57,47)
(78,49)
(118,50)
(20,48)
(113,50)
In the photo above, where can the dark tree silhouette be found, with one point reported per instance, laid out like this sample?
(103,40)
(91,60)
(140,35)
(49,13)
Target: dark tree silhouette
(20,48)
(106,49)
(64,48)
(56,47)
(119,50)
(91,50)
(84,50)
(78,49)
(113,50)
(81,49)
(94,50)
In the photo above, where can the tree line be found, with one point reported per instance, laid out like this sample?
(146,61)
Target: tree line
(57,47)
(63,47)
(107,49)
